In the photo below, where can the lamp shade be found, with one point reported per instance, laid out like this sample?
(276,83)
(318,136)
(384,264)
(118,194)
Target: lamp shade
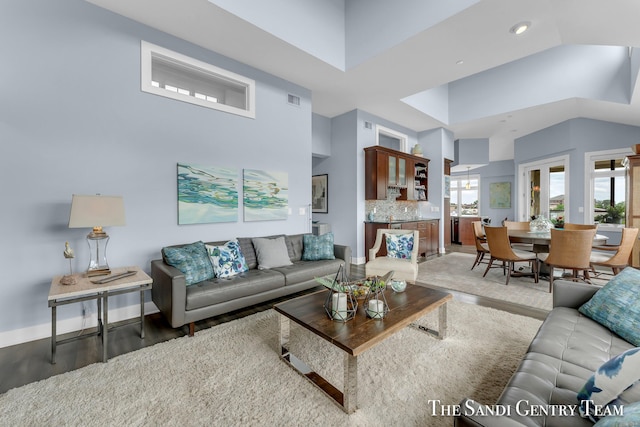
(96,211)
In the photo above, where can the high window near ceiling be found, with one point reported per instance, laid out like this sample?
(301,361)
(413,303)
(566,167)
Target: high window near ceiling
(465,195)
(176,76)
(606,191)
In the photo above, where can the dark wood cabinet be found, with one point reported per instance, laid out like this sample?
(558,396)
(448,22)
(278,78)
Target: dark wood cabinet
(429,241)
(466,235)
(386,168)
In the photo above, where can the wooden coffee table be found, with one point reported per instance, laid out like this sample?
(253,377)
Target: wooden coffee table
(358,335)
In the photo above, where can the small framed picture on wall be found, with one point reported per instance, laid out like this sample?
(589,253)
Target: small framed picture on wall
(320,193)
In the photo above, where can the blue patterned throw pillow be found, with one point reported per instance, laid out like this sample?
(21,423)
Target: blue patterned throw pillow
(617,305)
(315,248)
(227,260)
(615,383)
(630,417)
(399,246)
(192,260)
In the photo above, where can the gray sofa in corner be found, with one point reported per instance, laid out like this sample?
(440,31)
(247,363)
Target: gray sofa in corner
(183,305)
(565,352)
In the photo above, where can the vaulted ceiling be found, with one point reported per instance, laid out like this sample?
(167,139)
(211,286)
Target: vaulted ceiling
(427,64)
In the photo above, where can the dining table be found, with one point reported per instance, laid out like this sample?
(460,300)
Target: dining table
(541,240)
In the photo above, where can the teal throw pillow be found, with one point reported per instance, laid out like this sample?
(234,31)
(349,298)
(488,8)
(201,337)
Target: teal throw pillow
(192,260)
(316,248)
(630,417)
(399,246)
(227,260)
(613,385)
(617,305)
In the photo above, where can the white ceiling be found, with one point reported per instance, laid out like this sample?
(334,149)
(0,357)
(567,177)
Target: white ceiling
(479,36)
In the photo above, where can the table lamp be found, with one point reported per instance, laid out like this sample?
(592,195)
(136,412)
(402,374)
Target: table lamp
(96,212)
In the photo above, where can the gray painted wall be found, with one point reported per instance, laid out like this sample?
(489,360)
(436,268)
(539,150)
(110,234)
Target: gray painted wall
(502,171)
(74,120)
(575,138)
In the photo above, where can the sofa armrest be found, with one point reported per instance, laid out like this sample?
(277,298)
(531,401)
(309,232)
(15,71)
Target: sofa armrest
(472,415)
(572,294)
(344,253)
(169,292)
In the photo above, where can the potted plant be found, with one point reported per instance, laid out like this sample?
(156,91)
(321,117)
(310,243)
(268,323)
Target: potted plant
(558,222)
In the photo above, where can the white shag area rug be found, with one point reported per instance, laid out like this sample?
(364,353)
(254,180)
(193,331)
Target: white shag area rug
(231,375)
(453,271)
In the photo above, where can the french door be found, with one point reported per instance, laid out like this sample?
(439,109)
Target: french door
(544,188)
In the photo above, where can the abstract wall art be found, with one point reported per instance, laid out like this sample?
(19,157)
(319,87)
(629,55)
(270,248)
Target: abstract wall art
(320,193)
(500,195)
(265,195)
(207,194)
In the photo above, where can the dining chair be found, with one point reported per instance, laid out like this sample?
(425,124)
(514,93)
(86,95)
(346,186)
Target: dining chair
(570,250)
(569,226)
(481,243)
(519,225)
(621,252)
(404,268)
(500,250)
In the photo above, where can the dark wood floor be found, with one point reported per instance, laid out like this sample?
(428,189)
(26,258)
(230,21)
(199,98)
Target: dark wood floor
(29,362)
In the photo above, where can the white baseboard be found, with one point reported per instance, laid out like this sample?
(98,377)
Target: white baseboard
(358,260)
(37,332)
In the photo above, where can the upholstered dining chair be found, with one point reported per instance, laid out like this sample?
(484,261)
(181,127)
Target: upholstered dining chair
(519,225)
(481,243)
(570,250)
(619,259)
(570,226)
(404,268)
(500,250)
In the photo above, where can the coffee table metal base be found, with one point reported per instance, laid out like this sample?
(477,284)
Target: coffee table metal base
(347,399)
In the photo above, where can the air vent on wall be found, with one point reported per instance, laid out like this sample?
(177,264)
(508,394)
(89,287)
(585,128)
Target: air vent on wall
(293,100)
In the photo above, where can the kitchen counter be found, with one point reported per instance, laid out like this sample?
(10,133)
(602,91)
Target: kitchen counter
(398,221)
(428,228)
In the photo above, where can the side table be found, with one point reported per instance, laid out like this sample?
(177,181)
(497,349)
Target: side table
(85,290)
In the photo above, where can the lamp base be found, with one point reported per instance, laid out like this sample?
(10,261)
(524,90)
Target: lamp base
(68,279)
(98,272)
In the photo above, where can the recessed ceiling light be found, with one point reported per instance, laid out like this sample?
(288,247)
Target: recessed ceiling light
(520,27)
(459,62)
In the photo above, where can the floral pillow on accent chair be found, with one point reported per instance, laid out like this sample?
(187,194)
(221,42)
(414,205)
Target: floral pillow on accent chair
(399,245)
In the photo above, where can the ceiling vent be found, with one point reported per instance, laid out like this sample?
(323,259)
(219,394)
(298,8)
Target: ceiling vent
(293,100)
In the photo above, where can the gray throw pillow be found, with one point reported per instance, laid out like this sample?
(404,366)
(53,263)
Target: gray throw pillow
(271,252)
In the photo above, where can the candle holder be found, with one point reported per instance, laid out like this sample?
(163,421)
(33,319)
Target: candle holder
(375,303)
(340,303)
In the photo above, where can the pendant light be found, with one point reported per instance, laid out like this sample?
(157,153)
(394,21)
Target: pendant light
(468,184)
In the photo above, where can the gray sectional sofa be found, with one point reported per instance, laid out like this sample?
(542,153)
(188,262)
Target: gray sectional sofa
(182,304)
(566,351)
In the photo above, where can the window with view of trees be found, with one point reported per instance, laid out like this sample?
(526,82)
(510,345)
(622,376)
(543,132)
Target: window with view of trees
(464,199)
(608,183)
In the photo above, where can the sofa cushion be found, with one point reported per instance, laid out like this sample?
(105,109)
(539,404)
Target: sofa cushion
(303,271)
(218,290)
(617,305)
(295,246)
(246,246)
(318,247)
(399,245)
(192,260)
(227,259)
(566,351)
(271,252)
(613,383)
